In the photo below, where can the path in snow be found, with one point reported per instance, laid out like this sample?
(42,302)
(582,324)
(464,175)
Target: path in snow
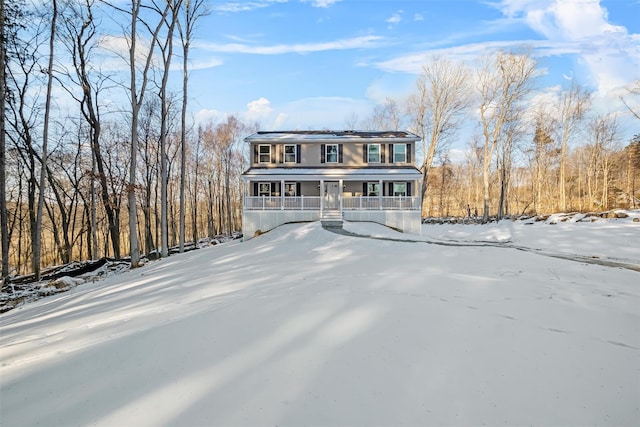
(627,264)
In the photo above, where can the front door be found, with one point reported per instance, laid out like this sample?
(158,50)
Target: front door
(332,195)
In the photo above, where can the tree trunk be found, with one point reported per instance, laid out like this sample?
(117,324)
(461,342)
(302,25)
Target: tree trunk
(4,225)
(37,245)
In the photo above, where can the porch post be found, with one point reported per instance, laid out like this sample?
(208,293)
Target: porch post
(282,194)
(321,197)
(340,194)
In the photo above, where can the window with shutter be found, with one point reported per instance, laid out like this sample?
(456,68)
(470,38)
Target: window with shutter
(264,154)
(399,153)
(373,153)
(264,189)
(290,153)
(399,189)
(331,153)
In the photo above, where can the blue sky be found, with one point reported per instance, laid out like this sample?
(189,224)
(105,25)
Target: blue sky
(305,64)
(313,63)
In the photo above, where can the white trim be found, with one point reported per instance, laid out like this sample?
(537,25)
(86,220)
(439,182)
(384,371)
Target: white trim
(295,153)
(260,154)
(379,188)
(260,184)
(379,153)
(393,154)
(295,193)
(333,174)
(393,188)
(326,153)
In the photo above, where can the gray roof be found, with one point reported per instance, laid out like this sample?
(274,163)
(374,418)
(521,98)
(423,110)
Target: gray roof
(314,174)
(302,136)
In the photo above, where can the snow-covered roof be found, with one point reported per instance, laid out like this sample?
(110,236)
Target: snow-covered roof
(313,174)
(302,136)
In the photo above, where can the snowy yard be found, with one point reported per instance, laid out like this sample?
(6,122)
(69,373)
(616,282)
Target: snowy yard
(302,326)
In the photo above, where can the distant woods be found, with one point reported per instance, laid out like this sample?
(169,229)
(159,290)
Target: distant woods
(100,157)
(520,149)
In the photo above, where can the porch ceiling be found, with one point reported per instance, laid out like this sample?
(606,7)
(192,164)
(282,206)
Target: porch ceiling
(329,174)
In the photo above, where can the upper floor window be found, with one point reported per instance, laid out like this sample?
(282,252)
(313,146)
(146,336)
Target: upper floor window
(399,153)
(373,153)
(264,153)
(331,153)
(290,153)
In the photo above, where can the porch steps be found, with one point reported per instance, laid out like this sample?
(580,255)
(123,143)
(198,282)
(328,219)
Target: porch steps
(331,220)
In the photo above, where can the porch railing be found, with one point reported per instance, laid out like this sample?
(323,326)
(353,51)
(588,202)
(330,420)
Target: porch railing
(348,203)
(381,203)
(277,202)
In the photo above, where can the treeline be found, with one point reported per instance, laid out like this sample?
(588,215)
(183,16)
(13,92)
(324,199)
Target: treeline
(105,161)
(85,174)
(529,150)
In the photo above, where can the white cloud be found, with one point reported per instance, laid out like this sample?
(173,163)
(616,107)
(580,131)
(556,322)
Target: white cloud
(210,116)
(306,113)
(321,3)
(362,42)
(395,18)
(244,6)
(418,17)
(203,64)
(609,52)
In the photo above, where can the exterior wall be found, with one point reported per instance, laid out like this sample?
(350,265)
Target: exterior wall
(253,221)
(407,221)
(309,188)
(310,156)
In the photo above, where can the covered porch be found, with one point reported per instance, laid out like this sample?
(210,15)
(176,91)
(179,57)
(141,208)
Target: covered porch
(275,196)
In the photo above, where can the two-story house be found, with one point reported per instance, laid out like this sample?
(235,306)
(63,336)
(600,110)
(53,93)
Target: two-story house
(331,175)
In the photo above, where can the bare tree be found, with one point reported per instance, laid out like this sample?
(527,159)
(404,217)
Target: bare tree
(80,40)
(441,98)
(541,153)
(137,97)
(37,245)
(385,117)
(573,104)
(193,10)
(166,48)
(4,224)
(503,81)
(604,134)
(633,91)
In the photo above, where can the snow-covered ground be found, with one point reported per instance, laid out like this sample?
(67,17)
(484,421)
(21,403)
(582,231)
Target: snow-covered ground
(302,326)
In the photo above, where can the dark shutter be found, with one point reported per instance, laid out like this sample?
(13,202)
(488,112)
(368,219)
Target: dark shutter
(364,188)
(255,153)
(381,153)
(255,189)
(390,189)
(340,153)
(364,153)
(322,151)
(408,153)
(391,160)
(281,153)
(273,188)
(273,153)
(408,189)
(298,153)
(298,189)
